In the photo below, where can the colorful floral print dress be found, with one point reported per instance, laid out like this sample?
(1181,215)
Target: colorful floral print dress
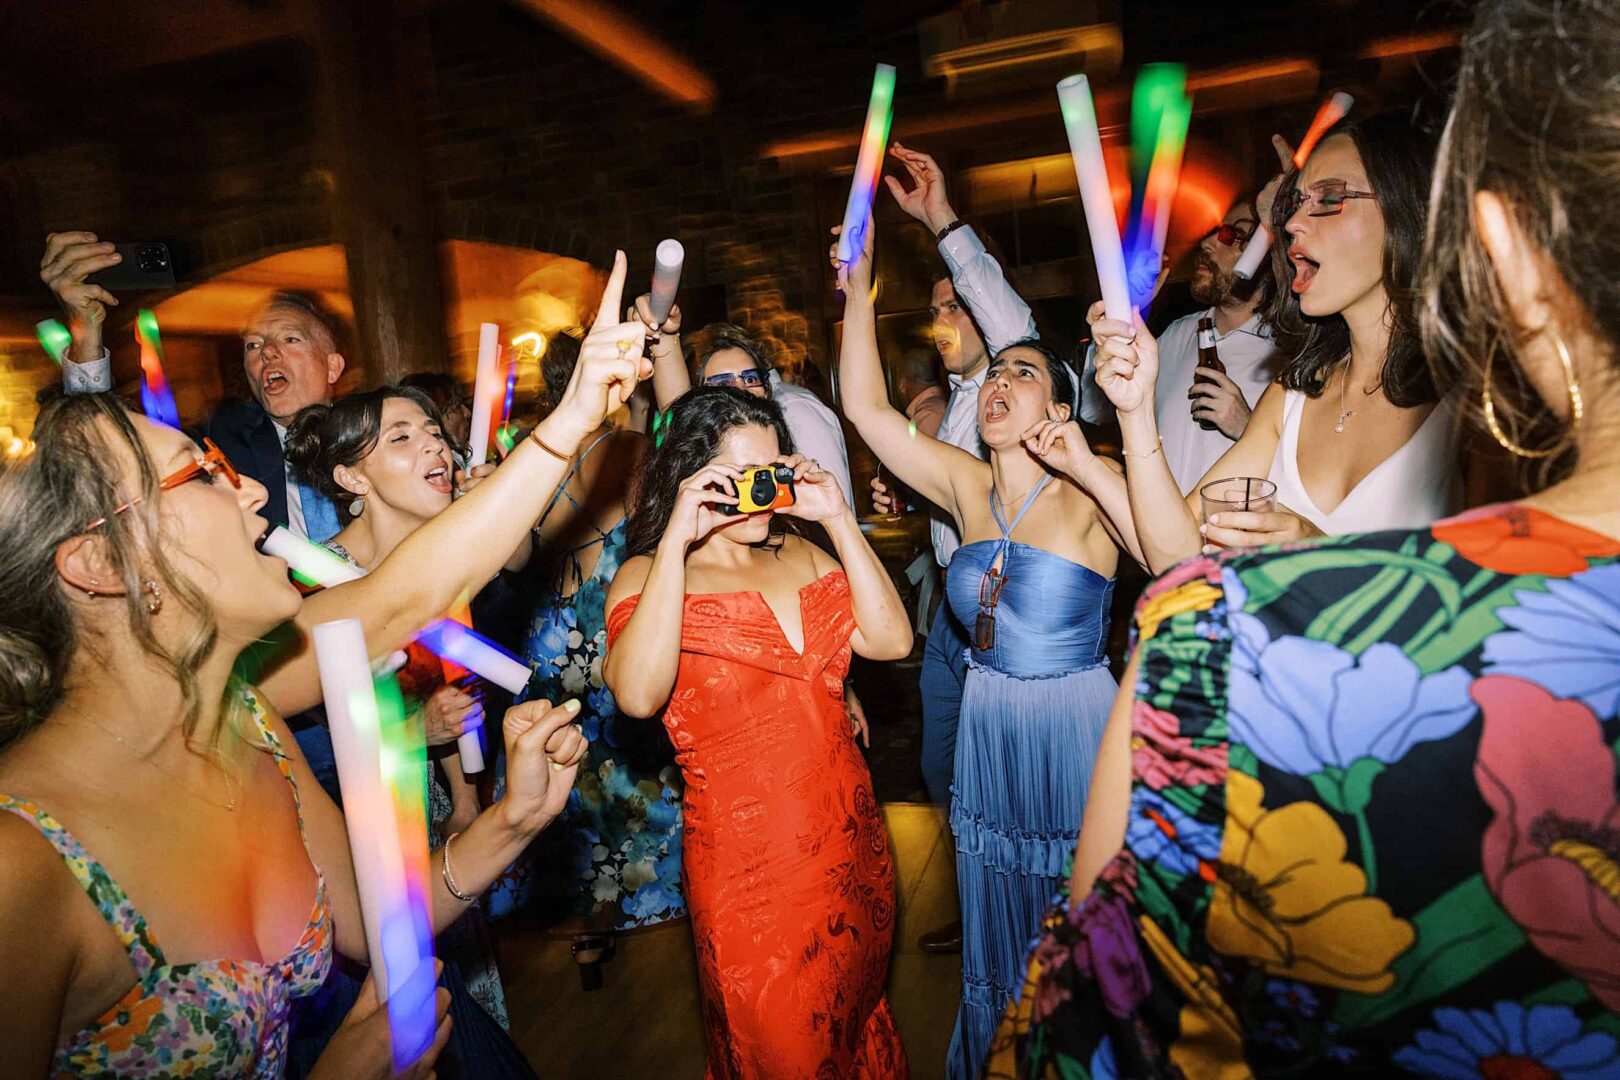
(1374,827)
(217,1018)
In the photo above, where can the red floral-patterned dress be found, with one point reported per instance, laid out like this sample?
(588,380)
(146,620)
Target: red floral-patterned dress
(786,861)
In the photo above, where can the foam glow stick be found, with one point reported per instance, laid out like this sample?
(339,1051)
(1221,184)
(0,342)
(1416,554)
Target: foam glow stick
(1332,111)
(1085,146)
(157,400)
(54,338)
(470,743)
(485,388)
(868,165)
(373,760)
(1157,87)
(1153,230)
(310,563)
(666,279)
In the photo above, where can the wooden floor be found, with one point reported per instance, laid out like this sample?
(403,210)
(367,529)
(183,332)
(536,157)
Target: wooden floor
(643,1024)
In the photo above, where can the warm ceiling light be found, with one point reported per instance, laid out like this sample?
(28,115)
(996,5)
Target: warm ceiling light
(622,41)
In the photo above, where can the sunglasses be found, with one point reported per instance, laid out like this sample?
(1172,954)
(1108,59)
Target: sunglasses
(748,378)
(212,463)
(1229,235)
(1325,198)
(984,627)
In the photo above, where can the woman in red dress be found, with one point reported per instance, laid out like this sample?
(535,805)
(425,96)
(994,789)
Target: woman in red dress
(741,634)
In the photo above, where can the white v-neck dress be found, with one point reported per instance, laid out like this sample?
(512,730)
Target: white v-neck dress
(1416,485)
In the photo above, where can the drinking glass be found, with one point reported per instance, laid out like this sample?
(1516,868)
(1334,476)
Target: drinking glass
(1249,493)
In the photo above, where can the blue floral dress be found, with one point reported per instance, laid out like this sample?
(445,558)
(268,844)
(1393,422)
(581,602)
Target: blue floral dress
(1374,826)
(614,856)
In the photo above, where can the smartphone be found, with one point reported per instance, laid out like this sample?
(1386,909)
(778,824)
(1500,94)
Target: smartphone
(146,265)
(766,487)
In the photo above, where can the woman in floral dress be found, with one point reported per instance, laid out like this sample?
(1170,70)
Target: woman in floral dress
(1357,813)
(613,861)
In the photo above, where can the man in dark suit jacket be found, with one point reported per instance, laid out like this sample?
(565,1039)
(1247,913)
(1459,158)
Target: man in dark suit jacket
(289,354)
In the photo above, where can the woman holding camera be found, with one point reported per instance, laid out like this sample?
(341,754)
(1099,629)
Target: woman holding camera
(741,634)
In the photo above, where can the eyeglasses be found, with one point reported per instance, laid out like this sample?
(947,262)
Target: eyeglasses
(984,627)
(212,463)
(1229,235)
(748,378)
(1325,198)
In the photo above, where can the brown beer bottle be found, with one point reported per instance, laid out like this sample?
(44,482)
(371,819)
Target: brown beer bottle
(1207,358)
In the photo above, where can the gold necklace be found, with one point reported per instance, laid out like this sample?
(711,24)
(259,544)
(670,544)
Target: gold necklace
(230,799)
(1344,413)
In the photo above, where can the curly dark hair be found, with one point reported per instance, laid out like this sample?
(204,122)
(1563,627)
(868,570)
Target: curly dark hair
(322,437)
(1063,386)
(1399,159)
(698,420)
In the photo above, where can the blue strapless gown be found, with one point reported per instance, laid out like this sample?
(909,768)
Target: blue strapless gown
(1033,710)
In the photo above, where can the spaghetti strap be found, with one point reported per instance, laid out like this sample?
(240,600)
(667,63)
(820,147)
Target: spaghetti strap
(573,471)
(116,908)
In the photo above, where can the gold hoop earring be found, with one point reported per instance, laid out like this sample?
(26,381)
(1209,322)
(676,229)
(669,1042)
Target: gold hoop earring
(1576,407)
(154,598)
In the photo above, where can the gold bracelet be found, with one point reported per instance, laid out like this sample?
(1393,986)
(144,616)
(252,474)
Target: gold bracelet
(449,878)
(1126,453)
(534,437)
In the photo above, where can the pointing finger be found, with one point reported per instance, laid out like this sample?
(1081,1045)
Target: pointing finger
(607,312)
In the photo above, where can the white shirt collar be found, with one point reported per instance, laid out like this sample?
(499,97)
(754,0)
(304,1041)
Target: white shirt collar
(958,382)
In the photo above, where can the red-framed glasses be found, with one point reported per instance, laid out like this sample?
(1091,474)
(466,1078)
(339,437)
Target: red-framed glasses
(212,463)
(984,627)
(1230,235)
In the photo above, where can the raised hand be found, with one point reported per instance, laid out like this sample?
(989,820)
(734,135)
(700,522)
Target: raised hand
(543,750)
(926,201)
(1059,444)
(69,258)
(641,312)
(1268,194)
(1127,360)
(855,277)
(611,363)
(444,714)
(816,496)
(696,514)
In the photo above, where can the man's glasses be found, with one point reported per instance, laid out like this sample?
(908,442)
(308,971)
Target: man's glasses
(212,463)
(1325,198)
(984,627)
(1229,235)
(748,378)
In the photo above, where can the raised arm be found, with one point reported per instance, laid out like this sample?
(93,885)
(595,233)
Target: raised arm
(1061,445)
(670,377)
(1000,312)
(643,660)
(463,547)
(69,258)
(928,466)
(882,628)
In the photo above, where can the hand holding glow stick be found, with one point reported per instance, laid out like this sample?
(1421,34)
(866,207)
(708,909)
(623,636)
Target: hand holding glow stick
(486,387)
(470,743)
(666,279)
(1332,111)
(1097,199)
(868,164)
(373,764)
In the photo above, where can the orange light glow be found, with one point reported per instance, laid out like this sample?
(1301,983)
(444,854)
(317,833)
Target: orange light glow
(1413,44)
(622,41)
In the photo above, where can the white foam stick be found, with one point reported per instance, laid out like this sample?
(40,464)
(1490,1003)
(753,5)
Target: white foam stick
(351,712)
(485,391)
(666,279)
(312,562)
(477,654)
(1254,253)
(1096,197)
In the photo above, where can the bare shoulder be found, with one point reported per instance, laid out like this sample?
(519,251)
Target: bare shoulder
(1269,408)
(798,548)
(630,580)
(34,883)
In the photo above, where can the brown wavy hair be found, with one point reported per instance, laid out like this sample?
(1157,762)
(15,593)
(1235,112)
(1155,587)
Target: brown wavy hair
(1535,121)
(47,499)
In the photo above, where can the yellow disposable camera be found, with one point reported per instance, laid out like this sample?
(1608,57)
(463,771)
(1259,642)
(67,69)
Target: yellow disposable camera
(767,487)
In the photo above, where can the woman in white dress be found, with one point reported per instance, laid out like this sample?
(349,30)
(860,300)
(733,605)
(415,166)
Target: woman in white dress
(1353,433)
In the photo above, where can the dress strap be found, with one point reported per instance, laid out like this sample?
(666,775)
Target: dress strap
(283,763)
(1029,501)
(573,471)
(121,915)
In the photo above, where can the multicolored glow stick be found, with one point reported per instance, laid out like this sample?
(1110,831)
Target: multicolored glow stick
(1333,110)
(157,400)
(666,279)
(868,165)
(1085,146)
(381,804)
(1152,229)
(1157,86)
(470,743)
(54,338)
(486,387)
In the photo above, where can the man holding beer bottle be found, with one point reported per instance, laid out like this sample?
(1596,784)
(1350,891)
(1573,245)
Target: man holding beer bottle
(1213,364)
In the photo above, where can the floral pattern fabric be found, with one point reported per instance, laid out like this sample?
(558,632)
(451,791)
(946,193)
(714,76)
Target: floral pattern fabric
(787,864)
(1373,827)
(216,1018)
(613,857)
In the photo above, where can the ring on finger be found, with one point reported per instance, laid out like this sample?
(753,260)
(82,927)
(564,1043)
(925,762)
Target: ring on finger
(625,345)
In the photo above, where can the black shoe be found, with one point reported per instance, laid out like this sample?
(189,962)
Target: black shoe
(946,939)
(590,970)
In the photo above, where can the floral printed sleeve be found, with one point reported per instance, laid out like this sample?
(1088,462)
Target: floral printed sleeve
(1374,824)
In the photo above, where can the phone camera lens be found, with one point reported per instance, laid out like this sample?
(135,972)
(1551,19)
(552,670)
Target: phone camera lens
(152,260)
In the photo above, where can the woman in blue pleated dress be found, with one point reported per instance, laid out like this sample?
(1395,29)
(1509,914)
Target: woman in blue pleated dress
(1032,584)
